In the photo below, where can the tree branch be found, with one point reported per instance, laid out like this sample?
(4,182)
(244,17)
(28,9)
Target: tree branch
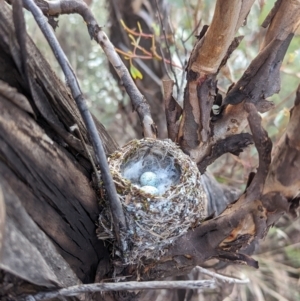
(271,14)
(262,78)
(234,144)
(139,102)
(122,286)
(221,277)
(220,34)
(134,285)
(115,204)
(285,20)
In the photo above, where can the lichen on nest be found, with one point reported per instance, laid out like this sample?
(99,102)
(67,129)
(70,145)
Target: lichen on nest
(154,221)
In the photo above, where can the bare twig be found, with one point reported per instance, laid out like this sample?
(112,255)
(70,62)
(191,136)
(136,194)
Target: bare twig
(116,208)
(143,66)
(139,102)
(192,33)
(124,286)
(223,278)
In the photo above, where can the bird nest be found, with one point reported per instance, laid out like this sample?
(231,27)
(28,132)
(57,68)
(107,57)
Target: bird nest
(155,216)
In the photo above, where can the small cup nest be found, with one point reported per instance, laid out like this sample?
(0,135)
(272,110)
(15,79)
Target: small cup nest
(154,220)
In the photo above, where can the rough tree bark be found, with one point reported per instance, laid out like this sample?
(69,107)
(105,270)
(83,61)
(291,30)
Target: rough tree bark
(48,205)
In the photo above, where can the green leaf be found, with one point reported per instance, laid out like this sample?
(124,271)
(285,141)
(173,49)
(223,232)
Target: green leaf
(135,73)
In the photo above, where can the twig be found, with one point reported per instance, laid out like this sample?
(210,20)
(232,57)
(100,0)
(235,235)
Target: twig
(123,286)
(115,204)
(222,277)
(142,65)
(192,33)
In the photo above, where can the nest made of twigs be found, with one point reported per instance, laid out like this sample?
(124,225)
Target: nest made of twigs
(154,221)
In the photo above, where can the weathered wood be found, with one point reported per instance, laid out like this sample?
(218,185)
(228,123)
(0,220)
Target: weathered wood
(226,21)
(260,80)
(43,164)
(125,286)
(42,173)
(119,222)
(22,259)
